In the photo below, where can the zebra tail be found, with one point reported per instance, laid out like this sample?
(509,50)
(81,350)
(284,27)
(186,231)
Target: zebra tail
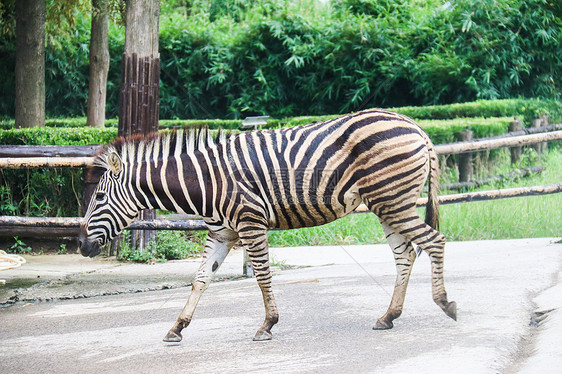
(432,207)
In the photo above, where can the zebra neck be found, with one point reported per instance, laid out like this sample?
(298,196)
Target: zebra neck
(172,184)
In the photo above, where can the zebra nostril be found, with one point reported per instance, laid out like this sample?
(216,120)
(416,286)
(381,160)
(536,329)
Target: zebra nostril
(80,243)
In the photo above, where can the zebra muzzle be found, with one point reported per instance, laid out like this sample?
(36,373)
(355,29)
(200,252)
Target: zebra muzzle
(89,248)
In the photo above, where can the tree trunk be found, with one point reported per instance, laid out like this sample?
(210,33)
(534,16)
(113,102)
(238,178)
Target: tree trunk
(141,32)
(99,64)
(140,77)
(30,63)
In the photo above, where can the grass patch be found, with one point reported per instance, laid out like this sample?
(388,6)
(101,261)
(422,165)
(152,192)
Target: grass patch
(522,217)
(352,229)
(168,245)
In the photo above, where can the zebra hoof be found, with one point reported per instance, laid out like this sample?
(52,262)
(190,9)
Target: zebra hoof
(451,310)
(262,335)
(172,337)
(383,325)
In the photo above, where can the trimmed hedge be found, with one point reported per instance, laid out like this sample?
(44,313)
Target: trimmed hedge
(445,131)
(57,192)
(526,109)
(58,136)
(440,131)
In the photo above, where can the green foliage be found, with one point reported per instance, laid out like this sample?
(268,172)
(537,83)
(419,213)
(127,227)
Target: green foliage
(526,109)
(366,53)
(7,206)
(62,249)
(57,135)
(233,58)
(226,124)
(445,131)
(46,192)
(41,193)
(19,247)
(537,216)
(168,245)
(58,192)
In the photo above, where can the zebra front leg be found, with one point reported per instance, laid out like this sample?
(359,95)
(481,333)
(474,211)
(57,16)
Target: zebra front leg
(217,247)
(404,256)
(255,241)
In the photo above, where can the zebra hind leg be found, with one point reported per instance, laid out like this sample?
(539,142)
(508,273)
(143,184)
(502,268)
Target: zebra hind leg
(404,256)
(216,248)
(413,229)
(255,241)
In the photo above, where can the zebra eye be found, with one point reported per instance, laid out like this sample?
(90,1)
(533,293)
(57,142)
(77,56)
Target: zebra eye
(100,196)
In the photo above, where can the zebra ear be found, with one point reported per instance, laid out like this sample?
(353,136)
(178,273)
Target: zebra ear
(115,163)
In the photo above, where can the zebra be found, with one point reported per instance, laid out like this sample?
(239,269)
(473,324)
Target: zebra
(244,184)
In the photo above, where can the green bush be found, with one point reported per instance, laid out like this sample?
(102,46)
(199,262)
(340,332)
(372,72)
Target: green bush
(227,124)
(526,109)
(445,131)
(57,135)
(58,192)
(168,245)
(233,58)
(50,191)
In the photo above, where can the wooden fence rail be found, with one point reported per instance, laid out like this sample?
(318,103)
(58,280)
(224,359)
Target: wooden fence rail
(49,150)
(45,162)
(484,145)
(81,156)
(442,149)
(9,225)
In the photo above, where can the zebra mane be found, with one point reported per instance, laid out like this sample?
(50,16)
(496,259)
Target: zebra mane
(134,148)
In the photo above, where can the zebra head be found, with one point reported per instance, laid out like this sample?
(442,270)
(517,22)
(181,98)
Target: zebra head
(111,207)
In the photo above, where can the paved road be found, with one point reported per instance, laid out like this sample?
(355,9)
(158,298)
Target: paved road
(326,315)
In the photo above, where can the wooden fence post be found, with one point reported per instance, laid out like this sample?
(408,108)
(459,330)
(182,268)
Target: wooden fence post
(545,121)
(89,186)
(537,147)
(515,125)
(465,160)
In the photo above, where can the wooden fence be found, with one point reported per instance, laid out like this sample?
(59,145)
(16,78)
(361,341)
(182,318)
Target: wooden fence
(82,156)
(61,160)
(70,225)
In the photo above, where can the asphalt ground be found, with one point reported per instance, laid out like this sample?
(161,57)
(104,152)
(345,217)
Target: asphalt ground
(102,316)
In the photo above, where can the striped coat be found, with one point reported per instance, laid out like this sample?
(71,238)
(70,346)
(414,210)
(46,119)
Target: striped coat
(244,184)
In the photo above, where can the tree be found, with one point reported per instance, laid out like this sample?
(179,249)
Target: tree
(141,27)
(30,63)
(99,64)
(140,79)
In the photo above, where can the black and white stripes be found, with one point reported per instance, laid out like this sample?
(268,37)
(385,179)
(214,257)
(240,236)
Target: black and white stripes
(244,184)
